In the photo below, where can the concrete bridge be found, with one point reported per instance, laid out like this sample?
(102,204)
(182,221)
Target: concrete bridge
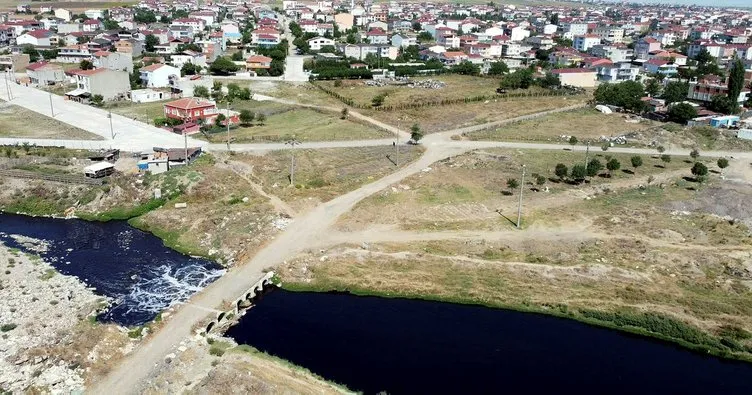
(225,318)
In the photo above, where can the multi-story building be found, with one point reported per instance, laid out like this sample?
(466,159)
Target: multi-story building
(110,84)
(707,87)
(644,46)
(158,75)
(584,43)
(74,54)
(113,61)
(617,72)
(613,35)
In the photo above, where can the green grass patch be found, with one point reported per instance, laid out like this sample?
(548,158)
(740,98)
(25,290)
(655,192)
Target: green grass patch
(48,274)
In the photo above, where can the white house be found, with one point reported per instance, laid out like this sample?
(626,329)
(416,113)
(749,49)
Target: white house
(158,75)
(148,95)
(584,43)
(317,43)
(37,38)
(403,40)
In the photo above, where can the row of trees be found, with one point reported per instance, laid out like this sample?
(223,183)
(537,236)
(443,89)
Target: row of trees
(524,79)
(234,92)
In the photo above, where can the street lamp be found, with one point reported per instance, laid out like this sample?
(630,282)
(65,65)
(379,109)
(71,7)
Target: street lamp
(292,143)
(112,131)
(227,120)
(519,205)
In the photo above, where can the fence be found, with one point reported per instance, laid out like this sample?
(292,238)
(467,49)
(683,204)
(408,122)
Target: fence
(67,179)
(445,102)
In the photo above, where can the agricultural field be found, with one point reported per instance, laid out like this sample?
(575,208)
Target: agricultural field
(15,122)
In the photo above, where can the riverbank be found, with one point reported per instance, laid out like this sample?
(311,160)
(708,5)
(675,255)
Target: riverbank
(652,325)
(50,339)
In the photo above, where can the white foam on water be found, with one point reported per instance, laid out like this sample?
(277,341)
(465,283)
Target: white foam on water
(166,287)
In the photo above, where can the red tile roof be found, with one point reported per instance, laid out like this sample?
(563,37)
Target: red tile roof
(258,59)
(571,71)
(190,103)
(152,67)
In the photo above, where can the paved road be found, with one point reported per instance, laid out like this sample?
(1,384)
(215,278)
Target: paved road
(130,135)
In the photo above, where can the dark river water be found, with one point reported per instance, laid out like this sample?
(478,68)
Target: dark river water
(406,346)
(133,267)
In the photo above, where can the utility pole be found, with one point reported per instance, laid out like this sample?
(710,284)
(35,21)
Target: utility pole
(587,153)
(227,120)
(185,140)
(52,110)
(112,131)
(292,144)
(7,86)
(519,205)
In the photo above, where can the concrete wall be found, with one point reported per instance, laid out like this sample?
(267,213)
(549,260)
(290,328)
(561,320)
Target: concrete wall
(110,84)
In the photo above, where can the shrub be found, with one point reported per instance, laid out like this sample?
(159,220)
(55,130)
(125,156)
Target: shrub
(7,327)
(216,351)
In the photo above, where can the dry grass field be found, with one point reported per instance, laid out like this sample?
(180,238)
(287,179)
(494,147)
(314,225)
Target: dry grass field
(466,191)
(17,121)
(304,125)
(440,118)
(585,124)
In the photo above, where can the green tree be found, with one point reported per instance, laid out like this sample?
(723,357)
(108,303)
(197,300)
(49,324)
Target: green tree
(261,117)
(150,42)
(699,170)
(425,37)
(233,91)
(223,66)
(415,133)
(549,81)
(244,94)
(675,91)
(498,68)
(109,24)
(722,104)
(561,171)
(219,120)
(681,113)
(190,69)
(661,149)
(540,180)
(605,146)
(97,100)
(512,184)
(704,57)
(593,167)
(736,80)
(612,165)
(520,79)
(32,52)
(246,117)
(653,87)
(85,65)
(665,158)
(378,100)
(466,68)
(573,140)
(694,154)
(579,172)
(237,56)
(627,94)
(216,91)
(344,113)
(636,161)
(722,163)
(200,91)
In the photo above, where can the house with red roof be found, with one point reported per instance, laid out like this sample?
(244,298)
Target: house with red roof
(265,37)
(644,46)
(92,25)
(159,75)
(196,109)
(37,38)
(377,36)
(257,62)
(660,66)
(43,73)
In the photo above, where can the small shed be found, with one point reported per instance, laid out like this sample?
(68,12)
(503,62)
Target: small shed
(99,170)
(724,121)
(105,155)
